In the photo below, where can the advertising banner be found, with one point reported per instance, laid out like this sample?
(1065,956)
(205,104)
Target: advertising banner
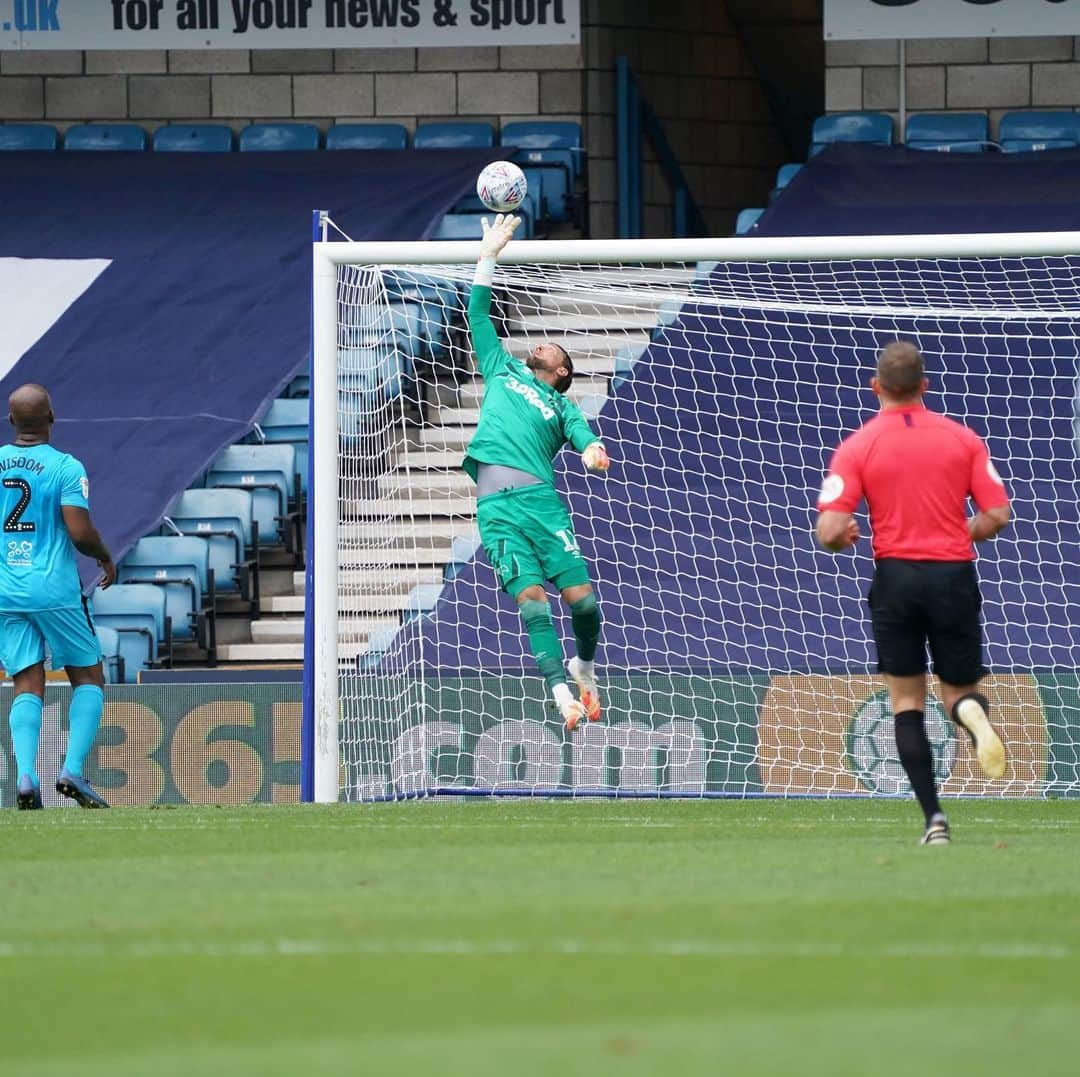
(663,734)
(855,19)
(285,24)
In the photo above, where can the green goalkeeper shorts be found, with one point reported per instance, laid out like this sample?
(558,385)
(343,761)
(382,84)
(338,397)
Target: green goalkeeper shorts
(528,538)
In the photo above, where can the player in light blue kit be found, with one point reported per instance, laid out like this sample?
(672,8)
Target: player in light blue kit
(46,518)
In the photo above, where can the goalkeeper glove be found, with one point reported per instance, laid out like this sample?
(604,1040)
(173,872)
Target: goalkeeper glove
(497,235)
(595,457)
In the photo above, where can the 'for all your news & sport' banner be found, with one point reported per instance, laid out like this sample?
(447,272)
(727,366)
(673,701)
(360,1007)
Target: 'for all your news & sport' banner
(285,24)
(849,20)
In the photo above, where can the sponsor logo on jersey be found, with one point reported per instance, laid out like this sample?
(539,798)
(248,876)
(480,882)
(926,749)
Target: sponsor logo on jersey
(20,553)
(84,485)
(531,395)
(831,488)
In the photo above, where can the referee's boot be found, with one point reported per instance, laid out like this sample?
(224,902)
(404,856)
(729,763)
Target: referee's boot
(585,680)
(28,796)
(937,831)
(970,713)
(78,789)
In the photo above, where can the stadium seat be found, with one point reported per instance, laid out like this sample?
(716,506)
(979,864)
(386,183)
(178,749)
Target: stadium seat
(784,175)
(180,566)
(28,136)
(194,138)
(299,386)
(527,211)
(953,132)
(112,661)
(223,520)
(625,358)
(553,147)
(367,136)
(137,612)
(1022,132)
(285,422)
(105,136)
(274,137)
(421,601)
(875,128)
(459,226)
(747,220)
(269,473)
(546,141)
(453,136)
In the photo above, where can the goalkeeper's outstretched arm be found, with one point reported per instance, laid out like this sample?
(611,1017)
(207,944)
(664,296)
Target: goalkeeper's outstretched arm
(489,351)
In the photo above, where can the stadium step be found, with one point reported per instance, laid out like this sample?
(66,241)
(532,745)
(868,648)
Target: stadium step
(395,557)
(593,353)
(448,437)
(357,538)
(419,505)
(268,630)
(389,602)
(471,393)
(348,651)
(427,484)
(553,325)
(429,460)
(611,305)
(377,581)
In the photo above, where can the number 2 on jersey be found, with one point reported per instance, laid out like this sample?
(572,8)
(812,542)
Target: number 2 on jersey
(14,522)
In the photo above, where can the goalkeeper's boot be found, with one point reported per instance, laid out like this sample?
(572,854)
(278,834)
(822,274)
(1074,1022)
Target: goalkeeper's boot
(937,831)
(573,713)
(78,789)
(970,713)
(586,682)
(28,797)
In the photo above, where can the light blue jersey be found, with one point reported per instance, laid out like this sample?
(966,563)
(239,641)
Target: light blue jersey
(38,568)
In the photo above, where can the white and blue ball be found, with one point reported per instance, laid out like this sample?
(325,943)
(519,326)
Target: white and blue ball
(502,186)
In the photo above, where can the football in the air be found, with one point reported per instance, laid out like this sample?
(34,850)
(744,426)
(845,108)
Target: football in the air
(502,186)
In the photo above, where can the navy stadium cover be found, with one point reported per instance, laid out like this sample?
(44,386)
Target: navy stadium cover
(163,299)
(701,538)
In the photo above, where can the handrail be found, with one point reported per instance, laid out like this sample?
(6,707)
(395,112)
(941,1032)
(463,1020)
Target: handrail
(635,117)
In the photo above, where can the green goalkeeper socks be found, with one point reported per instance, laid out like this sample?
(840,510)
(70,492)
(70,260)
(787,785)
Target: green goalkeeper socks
(585,616)
(544,642)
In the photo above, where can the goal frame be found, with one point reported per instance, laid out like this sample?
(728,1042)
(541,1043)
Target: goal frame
(320,732)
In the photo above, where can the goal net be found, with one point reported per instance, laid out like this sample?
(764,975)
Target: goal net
(735,656)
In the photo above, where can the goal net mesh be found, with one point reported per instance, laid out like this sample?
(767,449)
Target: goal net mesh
(735,656)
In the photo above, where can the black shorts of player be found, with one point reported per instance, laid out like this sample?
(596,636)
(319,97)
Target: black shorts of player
(918,603)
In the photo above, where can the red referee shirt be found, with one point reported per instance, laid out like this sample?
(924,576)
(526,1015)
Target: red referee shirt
(916,470)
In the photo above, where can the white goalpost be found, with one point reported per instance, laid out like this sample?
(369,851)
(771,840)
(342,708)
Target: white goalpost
(735,657)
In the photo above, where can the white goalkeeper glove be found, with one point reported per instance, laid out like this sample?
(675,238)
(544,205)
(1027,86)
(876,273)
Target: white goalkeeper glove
(595,457)
(497,235)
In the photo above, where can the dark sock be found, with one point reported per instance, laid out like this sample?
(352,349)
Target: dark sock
(981,700)
(917,759)
(585,617)
(544,641)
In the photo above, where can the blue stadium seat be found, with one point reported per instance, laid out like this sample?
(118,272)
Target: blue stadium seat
(112,661)
(180,566)
(367,136)
(459,226)
(453,136)
(28,136)
(299,386)
(546,142)
(379,642)
(274,137)
(527,211)
(625,358)
(554,147)
(421,601)
(875,128)
(223,520)
(286,423)
(747,220)
(462,550)
(105,136)
(194,138)
(784,175)
(269,473)
(137,612)
(951,132)
(1021,132)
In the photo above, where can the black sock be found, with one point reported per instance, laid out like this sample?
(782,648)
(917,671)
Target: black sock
(917,759)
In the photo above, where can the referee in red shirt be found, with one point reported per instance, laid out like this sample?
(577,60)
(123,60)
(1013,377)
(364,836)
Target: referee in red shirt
(916,470)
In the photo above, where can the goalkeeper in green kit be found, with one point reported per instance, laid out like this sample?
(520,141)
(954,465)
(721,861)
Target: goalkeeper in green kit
(524,526)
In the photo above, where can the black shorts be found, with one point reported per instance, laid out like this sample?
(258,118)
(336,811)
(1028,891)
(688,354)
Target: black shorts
(916,603)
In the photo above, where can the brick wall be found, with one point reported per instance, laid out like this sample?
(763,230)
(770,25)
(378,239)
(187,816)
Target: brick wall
(993,75)
(695,74)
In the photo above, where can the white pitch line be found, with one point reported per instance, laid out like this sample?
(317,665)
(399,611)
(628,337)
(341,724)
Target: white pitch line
(690,948)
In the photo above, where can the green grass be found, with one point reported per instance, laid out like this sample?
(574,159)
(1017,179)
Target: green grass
(482,938)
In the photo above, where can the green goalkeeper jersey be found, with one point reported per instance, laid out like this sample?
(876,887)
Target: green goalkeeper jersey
(523,422)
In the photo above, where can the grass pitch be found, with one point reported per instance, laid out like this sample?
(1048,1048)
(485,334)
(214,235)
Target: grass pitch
(482,938)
